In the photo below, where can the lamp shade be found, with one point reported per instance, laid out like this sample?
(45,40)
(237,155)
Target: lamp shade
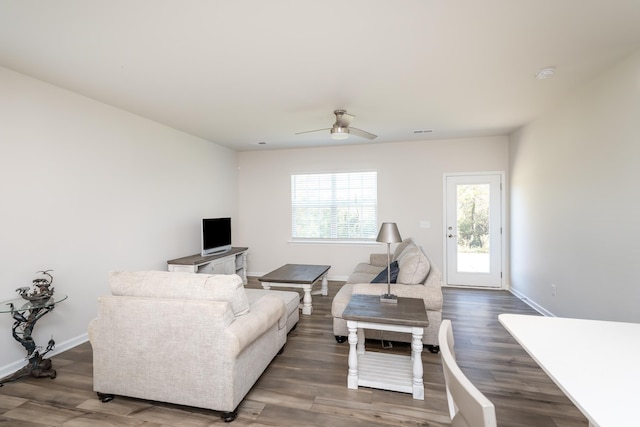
(389,233)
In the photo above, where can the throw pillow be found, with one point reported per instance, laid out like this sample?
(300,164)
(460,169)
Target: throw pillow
(402,246)
(414,267)
(382,276)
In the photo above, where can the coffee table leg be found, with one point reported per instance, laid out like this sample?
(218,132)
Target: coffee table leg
(307,308)
(324,289)
(325,286)
(416,356)
(352,377)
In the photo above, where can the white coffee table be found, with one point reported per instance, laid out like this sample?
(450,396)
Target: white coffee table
(383,370)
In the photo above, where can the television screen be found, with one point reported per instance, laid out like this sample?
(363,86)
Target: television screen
(216,235)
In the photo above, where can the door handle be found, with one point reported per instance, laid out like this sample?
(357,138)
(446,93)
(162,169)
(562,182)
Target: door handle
(452,235)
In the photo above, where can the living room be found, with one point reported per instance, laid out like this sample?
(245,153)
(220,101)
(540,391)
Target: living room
(88,188)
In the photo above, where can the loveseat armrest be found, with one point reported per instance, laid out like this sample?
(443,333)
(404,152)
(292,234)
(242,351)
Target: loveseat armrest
(379,260)
(248,327)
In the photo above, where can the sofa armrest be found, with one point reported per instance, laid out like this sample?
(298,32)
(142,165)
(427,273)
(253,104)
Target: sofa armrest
(379,260)
(248,327)
(434,278)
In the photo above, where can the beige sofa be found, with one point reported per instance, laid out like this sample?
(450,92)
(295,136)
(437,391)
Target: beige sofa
(185,338)
(417,277)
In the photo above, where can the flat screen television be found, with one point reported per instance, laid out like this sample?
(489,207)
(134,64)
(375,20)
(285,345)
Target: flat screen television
(216,236)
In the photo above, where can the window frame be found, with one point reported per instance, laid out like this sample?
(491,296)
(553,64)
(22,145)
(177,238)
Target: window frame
(367,202)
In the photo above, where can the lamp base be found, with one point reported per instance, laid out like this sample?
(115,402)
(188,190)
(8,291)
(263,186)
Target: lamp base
(389,298)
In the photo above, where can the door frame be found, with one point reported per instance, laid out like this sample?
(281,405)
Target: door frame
(503,236)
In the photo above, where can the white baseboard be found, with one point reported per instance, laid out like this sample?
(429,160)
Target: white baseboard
(537,307)
(9,369)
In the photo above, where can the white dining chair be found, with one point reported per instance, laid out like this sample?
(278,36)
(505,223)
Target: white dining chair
(468,407)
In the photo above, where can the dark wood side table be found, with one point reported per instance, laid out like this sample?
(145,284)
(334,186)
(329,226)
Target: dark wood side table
(382,370)
(25,315)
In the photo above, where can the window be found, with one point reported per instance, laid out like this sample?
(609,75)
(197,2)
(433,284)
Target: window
(334,206)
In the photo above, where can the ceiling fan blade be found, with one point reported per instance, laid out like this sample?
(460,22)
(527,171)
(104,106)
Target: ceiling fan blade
(309,131)
(343,119)
(362,133)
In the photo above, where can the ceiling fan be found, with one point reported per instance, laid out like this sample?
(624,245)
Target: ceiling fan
(341,128)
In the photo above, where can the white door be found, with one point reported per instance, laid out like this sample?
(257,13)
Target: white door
(473,229)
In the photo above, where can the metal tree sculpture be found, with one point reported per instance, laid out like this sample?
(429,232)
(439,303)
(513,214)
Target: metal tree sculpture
(38,304)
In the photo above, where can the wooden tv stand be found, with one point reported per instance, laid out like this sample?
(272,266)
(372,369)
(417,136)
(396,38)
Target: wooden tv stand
(230,262)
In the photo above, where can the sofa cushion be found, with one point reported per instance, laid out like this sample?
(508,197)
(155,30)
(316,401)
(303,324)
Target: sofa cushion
(402,246)
(365,268)
(188,286)
(382,277)
(432,296)
(414,266)
(291,301)
(360,278)
(364,273)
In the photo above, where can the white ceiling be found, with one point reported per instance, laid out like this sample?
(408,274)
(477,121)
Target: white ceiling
(247,71)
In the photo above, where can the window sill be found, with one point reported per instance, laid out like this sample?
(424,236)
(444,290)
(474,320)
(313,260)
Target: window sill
(335,242)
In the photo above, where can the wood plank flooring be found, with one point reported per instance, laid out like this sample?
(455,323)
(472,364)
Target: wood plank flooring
(306,385)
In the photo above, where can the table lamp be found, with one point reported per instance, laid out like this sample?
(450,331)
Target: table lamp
(389,234)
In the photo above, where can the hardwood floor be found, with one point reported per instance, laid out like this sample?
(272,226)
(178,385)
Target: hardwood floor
(306,385)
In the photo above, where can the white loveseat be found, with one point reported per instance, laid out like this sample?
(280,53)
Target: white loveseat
(185,338)
(417,277)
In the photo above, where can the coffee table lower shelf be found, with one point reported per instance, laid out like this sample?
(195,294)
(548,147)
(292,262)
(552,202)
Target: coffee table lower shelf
(385,371)
(382,370)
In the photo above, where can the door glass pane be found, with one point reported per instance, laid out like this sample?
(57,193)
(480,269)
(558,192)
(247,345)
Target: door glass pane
(473,228)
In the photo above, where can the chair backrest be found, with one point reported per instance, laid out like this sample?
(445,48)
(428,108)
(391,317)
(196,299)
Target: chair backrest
(468,407)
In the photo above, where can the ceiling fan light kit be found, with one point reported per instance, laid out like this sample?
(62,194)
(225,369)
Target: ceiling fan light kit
(338,133)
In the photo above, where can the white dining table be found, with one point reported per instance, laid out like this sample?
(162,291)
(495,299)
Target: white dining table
(595,363)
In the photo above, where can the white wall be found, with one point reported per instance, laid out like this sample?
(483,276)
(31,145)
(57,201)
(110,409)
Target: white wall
(575,210)
(410,183)
(85,189)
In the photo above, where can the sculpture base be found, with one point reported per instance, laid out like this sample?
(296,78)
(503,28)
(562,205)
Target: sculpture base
(389,298)
(37,368)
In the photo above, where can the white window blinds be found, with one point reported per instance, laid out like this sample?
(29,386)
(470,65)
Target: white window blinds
(334,206)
